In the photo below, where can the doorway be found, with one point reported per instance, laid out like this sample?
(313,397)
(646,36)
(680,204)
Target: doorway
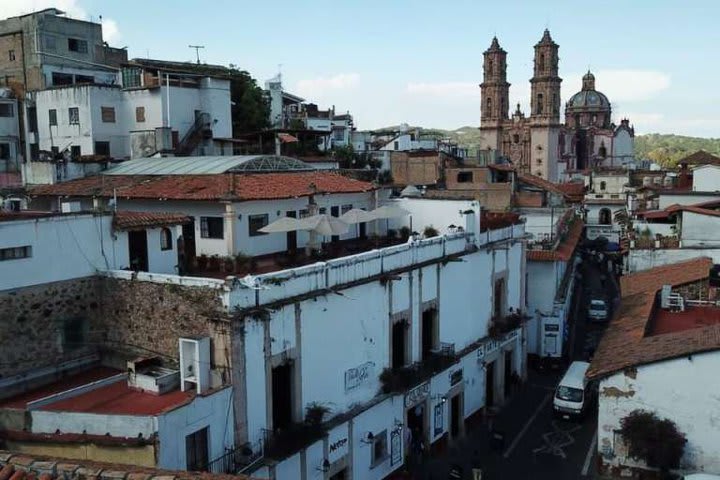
(196,450)
(429,332)
(415,423)
(490,385)
(188,234)
(282,401)
(138,250)
(291,237)
(363,230)
(399,340)
(508,374)
(456,416)
(341,475)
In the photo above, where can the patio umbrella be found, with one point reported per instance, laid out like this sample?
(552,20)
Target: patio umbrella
(284,224)
(356,216)
(323,225)
(388,211)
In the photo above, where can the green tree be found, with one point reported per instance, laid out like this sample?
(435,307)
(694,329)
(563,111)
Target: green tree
(250,108)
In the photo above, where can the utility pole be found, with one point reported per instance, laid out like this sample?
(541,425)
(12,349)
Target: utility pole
(197,51)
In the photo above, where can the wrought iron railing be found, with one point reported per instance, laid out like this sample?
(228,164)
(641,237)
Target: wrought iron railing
(233,461)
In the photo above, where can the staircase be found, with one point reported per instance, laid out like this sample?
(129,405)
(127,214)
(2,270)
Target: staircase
(200,130)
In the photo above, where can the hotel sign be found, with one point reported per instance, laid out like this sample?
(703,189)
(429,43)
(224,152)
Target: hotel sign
(355,377)
(417,394)
(491,346)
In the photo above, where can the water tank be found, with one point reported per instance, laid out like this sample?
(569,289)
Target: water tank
(647,181)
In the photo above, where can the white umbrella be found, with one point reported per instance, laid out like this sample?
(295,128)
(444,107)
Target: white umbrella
(324,225)
(284,224)
(356,215)
(387,211)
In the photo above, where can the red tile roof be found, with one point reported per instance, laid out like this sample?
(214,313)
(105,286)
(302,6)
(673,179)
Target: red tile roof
(225,186)
(503,167)
(21,466)
(564,250)
(701,157)
(626,342)
(125,220)
(540,183)
(574,191)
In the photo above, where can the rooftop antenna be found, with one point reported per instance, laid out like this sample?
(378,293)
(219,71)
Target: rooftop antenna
(197,51)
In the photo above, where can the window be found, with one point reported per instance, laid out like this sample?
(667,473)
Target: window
(255,223)
(465,177)
(396,146)
(4,151)
(569,394)
(62,78)
(52,117)
(131,77)
(338,134)
(605,216)
(541,62)
(75,151)
(602,185)
(50,43)
(140,114)
(77,45)
(14,253)
(211,227)
(196,450)
(6,110)
(602,151)
(539,105)
(74,116)
(102,148)
(11,55)
(84,79)
(73,334)
(379,449)
(165,239)
(345,208)
(107,114)
(488,107)
(499,298)
(555,104)
(516,138)
(491,67)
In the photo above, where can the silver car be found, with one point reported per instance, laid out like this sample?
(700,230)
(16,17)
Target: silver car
(598,311)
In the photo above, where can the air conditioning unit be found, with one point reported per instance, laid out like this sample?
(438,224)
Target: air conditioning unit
(195,363)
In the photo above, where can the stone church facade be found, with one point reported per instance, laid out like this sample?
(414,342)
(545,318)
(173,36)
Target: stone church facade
(539,144)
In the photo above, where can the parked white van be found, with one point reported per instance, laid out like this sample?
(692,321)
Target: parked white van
(572,395)
(598,311)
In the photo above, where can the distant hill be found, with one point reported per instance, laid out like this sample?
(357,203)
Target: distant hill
(665,149)
(668,149)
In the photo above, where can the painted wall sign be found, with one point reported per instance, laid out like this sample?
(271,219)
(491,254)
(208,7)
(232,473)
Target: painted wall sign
(495,344)
(438,415)
(337,443)
(417,394)
(456,377)
(355,377)
(395,448)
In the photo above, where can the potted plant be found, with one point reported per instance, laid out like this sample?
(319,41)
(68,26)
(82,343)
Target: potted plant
(405,233)
(202,262)
(430,232)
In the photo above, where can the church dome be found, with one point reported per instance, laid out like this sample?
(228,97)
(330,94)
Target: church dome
(588,97)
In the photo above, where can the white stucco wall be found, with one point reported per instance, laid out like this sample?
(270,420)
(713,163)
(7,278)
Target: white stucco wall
(74,246)
(706,178)
(129,426)
(700,230)
(639,260)
(213,411)
(428,212)
(689,398)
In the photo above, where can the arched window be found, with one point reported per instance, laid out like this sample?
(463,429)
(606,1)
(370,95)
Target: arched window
(539,105)
(488,107)
(541,62)
(165,239)
(605,216)
(555,104)
(602,151)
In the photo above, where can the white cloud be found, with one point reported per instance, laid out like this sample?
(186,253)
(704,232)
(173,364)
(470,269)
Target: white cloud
(444,89)
(319,86)
(71,8)
(623,85)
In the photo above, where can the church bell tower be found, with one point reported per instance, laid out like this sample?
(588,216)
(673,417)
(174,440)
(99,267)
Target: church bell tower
(545,83)
(494,92)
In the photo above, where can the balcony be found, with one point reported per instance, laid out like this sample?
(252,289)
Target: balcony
(400,380)
(500,326)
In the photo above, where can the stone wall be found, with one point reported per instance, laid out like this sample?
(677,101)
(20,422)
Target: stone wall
(134,318)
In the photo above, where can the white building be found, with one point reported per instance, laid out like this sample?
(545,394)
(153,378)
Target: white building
(661,354)
(417,355)
(44,247)
(228,199)
(606,196)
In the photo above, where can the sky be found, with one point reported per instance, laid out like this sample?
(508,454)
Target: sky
(420,62)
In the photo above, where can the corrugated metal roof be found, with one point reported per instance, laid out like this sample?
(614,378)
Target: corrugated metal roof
(209,165)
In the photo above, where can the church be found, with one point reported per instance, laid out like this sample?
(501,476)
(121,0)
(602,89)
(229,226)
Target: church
(540,144)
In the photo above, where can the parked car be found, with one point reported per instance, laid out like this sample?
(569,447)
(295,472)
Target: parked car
(597,310)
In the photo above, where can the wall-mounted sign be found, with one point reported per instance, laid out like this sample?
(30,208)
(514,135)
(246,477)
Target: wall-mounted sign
(417,394)
(438,417)
(495,344)
(355,377)
(395,447)
(549,327)
(456,377)
(337,443)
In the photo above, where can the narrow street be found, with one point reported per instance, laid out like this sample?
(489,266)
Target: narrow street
(537,446)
